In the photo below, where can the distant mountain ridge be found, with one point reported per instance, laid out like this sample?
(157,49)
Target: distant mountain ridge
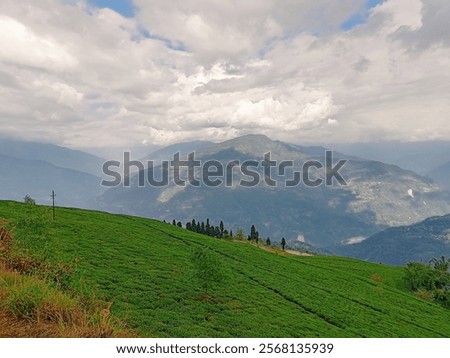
(184,149)
(441,175)
(398,245)
(35,169)
(20,177)
(420,157)
(378,195)
(53,154)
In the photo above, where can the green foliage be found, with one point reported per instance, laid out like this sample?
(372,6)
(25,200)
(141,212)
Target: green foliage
(431,280)
(29,200)
(31,248)
(442,296)
(440,264)
(419,276)
(254,235)
(207,229)
(144,267)
(30,228)
(31,299)
(240,234)
(208,268)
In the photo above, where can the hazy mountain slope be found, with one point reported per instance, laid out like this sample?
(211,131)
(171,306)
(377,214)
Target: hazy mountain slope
(399,245)
(441,175)
(420,157)
(53,154)
(145,268)
(377,196)
(36,178)
(184,149)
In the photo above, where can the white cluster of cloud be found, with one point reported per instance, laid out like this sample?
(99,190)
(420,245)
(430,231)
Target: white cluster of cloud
(80,76)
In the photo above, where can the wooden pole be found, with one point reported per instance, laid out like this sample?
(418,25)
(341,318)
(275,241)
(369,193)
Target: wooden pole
(53,199)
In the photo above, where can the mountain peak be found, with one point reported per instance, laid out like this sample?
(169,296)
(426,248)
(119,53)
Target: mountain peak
(254,145)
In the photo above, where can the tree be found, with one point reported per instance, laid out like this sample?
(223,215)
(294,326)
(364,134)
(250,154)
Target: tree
(419,276)
(440,264)
(208,269)
(231,233)
(240,234)
(283,243)
(254,235)
(221,228)
(268,242)
(179,224)
(29,200)
(208,228)
(174,223)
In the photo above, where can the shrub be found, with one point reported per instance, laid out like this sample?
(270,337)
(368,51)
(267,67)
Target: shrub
(432,280)
(419,276)
(208,268)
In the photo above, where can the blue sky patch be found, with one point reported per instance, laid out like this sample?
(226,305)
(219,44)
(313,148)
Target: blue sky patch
(360,18)
(123,7)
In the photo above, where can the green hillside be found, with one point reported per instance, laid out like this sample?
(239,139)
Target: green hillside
(144,267)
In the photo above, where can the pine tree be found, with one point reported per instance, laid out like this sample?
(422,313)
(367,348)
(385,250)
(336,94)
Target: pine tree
(208,228)
(283,243)
(268,242)
(221,228)
(254,235)
(203,228)
(174,223)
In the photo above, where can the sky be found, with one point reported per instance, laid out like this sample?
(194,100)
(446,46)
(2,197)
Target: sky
(126,73)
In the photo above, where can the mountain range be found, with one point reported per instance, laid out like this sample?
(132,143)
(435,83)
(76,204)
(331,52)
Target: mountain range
(377,196)
(398,245)
(37,169)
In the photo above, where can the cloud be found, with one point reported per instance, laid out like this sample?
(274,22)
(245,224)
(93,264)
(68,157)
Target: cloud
(236,30)
(81,76)
(20,45)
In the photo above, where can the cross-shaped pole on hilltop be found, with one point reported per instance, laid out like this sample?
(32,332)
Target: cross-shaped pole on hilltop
(53,199)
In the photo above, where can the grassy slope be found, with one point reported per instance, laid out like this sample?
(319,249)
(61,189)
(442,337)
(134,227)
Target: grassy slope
(144,267)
